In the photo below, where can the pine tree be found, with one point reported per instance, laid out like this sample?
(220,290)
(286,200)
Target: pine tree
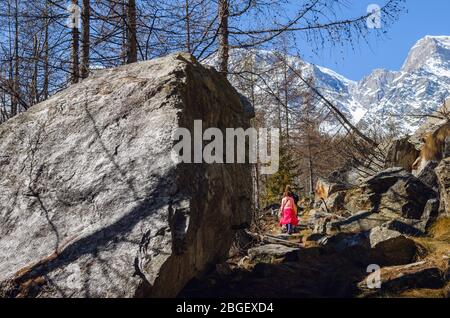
(286,175)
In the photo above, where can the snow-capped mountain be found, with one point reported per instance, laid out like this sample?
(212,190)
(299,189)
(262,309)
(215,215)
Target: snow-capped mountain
(397,97)
(271,75)
(420,87)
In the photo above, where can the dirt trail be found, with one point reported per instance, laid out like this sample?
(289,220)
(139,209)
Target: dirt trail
(318,272)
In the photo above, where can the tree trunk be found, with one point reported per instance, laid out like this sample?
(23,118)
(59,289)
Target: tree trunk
(85,39)
(310,165)
(34,79)
(15,97)
(188,28)
(132,36)
(279,111)
(257,187)
(46,53)
(223,36)
(286,97)
(75,75)
(10,67)
(124,28)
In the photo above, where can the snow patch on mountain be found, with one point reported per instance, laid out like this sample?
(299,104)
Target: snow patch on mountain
(420,87)
(383,98)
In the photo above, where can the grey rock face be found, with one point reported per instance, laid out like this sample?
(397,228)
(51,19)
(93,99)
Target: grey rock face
(380,234)
(446,152)
(390,195)
(430,214)
(91,204)
(342,241)
(335,202)
(320,225)
(391,247)
(399,278)
(401,153)
(393,191)
(443,176)
(428,176)
(359,222)
(269,252)
(326,188)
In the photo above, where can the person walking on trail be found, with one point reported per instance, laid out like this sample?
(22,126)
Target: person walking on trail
(288,211)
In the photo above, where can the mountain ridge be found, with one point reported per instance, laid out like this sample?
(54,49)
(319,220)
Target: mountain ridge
(400,97)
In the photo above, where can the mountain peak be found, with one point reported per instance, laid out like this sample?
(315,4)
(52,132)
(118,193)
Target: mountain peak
(397,97)
(443,40)
(427,52)
(378,73)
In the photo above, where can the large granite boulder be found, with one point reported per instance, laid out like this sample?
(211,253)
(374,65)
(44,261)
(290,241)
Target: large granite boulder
(391,192)
(91,203)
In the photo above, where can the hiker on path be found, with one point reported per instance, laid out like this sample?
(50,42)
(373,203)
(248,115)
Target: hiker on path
(288,210)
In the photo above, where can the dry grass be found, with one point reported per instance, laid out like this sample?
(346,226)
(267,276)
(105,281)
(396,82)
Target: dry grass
(269,225)
(434,143)
(441,229)
(427,293)
(437,246)
(438,243)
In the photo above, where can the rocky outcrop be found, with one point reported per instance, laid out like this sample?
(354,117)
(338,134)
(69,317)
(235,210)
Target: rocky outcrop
(428,176)
(429,216)
(359,222)
(392,213)
(344,241)
(433,164)
(432,140)
(401,153)
(446,152)
(270,252)
(393,191)
(443,177)
(390,195)
(395,215)
(396,279)
(91,202)
(393,196)
(326,187)
(391,247)
(334,203)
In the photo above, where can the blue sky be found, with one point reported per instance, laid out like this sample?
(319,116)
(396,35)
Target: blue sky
(423,17)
